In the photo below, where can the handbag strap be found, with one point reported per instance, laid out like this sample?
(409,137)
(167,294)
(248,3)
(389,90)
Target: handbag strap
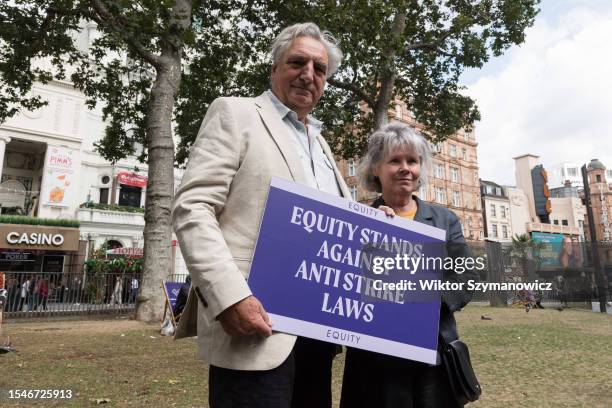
(445,329)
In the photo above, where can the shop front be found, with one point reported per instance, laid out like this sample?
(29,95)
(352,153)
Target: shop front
(36,261)
(35,249)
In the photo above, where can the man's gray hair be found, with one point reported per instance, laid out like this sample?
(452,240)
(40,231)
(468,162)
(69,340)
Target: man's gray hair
(384,141)
(285,38)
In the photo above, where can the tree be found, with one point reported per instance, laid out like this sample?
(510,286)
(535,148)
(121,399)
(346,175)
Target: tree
(156,60)
(413,50)
(524,251)
(134,68)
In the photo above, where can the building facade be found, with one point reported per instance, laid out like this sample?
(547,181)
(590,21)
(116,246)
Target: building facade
(568,208)
(520,215)
(532,203)
(49,168)
(601,200)
(453,180)
(563,172)
(496,212)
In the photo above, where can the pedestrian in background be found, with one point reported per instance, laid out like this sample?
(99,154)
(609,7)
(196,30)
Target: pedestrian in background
(42,288)
(25,293)
(133,289)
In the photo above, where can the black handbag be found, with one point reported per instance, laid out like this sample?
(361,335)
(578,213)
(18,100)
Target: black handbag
(456,360)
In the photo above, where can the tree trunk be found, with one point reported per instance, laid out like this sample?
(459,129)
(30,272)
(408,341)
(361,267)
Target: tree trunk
(388,73)
(160,190)
(157,266)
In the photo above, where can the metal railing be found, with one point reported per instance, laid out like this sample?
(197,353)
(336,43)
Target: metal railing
(568,267)
(53,294)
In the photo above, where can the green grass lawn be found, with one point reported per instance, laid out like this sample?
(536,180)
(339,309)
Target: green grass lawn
(541,358)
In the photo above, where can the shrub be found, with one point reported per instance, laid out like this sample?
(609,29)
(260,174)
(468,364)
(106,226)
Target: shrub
(112,207)
(24,220)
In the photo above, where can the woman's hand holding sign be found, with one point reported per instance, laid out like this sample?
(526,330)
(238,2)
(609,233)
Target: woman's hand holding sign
(245,318)
(389,212)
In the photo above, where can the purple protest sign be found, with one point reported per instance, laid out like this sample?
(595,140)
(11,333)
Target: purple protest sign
(308,272)
(172,289)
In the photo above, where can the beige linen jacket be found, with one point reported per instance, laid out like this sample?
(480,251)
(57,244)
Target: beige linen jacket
(216,215)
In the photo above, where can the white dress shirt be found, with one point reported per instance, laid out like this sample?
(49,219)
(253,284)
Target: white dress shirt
(317,167)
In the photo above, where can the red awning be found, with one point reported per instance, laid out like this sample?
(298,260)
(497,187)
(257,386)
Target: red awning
(132,179)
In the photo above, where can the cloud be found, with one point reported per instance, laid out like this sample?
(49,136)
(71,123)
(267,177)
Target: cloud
(552,97)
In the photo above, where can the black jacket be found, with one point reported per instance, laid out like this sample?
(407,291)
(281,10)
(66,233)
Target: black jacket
(383,381)
(181,299)
(456,246)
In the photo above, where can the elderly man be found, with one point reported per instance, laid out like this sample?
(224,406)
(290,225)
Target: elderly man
(241,144)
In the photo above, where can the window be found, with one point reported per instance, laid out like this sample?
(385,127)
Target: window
(353,192)
(352,167)
(467,201)
(464,153)
(489,190)
(130,195)
(494,230)
(556,222)
(452,150)
(104,196)
(469,220)
(423,193)
(398,111)
(454,174)
(440,195)
(105,179)
(498,191)
(466,136)
(92,35)
(493,210)
(457,199)
(598,178)
(504,231)
(112,244)
(502,211)
(564,222)
(572,172)
(440,171)
(437,147)
(478,204)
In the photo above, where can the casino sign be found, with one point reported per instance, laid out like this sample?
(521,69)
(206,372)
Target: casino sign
(17,236)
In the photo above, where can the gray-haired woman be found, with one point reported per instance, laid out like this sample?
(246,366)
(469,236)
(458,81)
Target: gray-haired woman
(396,164)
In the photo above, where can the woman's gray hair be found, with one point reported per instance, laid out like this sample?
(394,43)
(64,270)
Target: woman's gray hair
(286,37)
(384,141)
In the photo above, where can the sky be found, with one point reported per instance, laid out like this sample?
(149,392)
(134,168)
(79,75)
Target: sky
(552,95)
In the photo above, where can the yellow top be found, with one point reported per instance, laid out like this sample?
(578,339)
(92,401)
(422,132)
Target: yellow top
(408,214)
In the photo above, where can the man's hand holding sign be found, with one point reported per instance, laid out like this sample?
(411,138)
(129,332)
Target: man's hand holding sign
(245,318)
